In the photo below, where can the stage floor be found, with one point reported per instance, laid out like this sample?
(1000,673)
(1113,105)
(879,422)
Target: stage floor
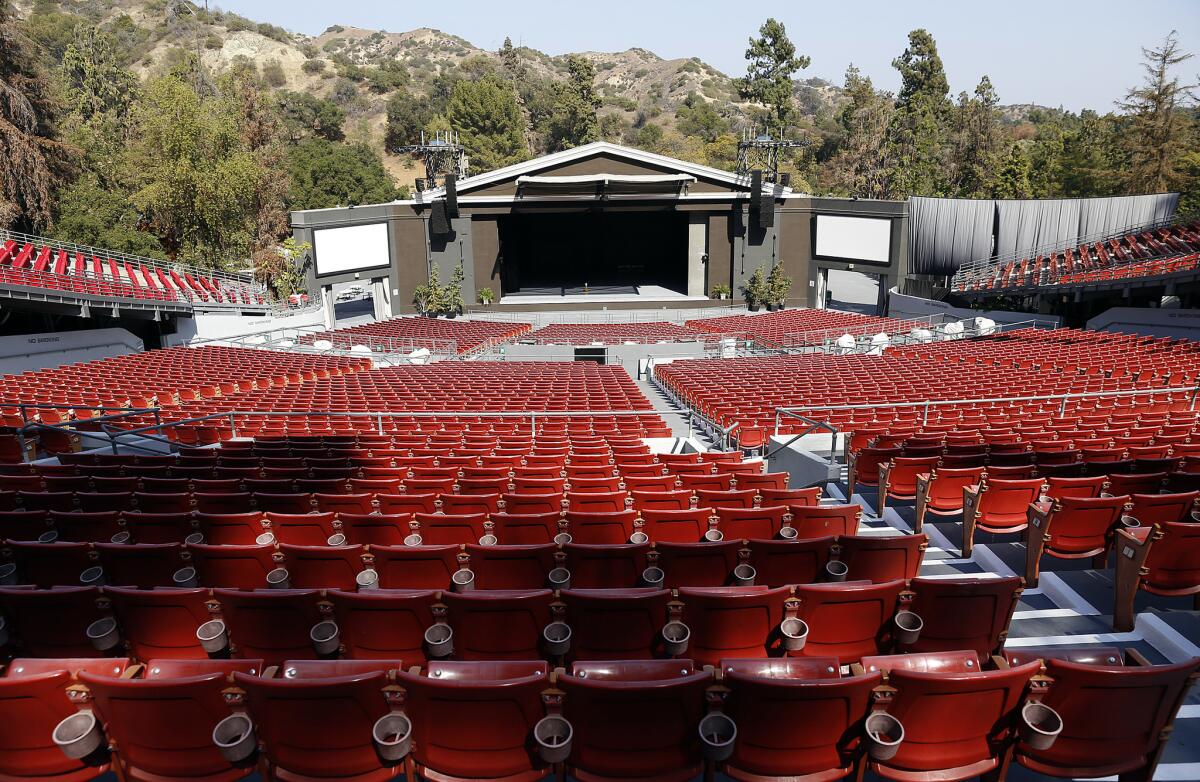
(600,293)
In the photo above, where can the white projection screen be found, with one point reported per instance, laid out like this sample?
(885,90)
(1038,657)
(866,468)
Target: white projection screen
(860,239)
(351,249)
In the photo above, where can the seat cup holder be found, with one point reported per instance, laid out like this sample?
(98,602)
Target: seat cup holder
(562,538)
(836,570)
(1040,725)
(278,579)
(795,634)
(553,735)
(717,734)
(713,536)
(212,636)
(366,580)
(185,577)
(639,538)
(49,536)
(234,738)
(103,634)
(8,574)
(121,538)
(488,540)
(557,638)
(194,539)
(325,637)
(412,540)
(653,577)
(908,627)
(788,533)
(675,637)
(78,735)
(439,640)
(336,539)
(93,576)
(884,735)
(743,575)
(392,734)
(265,539)
(463,580)
(559,578)
(1129,522)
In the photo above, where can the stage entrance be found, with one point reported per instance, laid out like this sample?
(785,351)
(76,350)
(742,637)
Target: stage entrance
(597,253)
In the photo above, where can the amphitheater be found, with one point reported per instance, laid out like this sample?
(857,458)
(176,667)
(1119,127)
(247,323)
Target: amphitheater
(607,528)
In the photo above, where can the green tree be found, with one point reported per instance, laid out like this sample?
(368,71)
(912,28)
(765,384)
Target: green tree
(697,117)
(489,121)
(305,115)
(976,138)
(1012,178)
(324,174)
(1161,131)
(34,161)
(194,179)
(918,130)
(573,122)
(862,166)
(407,116)
(94,80)
(648,137)
(771,63)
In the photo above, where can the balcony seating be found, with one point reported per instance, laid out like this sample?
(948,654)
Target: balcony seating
(403,335)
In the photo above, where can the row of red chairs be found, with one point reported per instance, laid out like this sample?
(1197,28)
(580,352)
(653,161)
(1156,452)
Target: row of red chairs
(795,327)
(406,334)
(613,333)
(847,621)
(749,719)
(422,565)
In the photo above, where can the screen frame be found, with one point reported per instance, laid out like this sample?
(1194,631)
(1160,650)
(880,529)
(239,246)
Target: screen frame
(316,258)
(847,259)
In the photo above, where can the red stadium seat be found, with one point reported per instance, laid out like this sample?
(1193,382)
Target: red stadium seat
(1162,560)
(940,491)
(415,567)
(270,624)
(676,526)
(51,622)
(784,562)
(233,567)
(997,506)
(816,521)
(512,567)
(698,564)
(160,623)
(963,613)
(1071,528)
(849,620)
(498,624)
(606,567)
(733,622)
(882,558)
(761,523)
(383,624)
(322,567)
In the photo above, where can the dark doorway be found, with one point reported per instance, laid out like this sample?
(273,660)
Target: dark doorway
(559,254)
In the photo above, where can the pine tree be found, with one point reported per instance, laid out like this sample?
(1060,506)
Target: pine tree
(34,161)
(976,139)
(1012,178)
(771,63)
(862,165)
(486,114)
(573,122)
(918,130)
(1161,131)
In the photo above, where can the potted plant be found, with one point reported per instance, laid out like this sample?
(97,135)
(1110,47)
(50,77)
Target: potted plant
(756,290)
(778,286)
(721,291)
(426,297)
(452,302)
(486,296)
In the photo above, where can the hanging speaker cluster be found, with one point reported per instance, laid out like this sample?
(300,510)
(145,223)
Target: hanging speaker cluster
(445,210)
(762,203)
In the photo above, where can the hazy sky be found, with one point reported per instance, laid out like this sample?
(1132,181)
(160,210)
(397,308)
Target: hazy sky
(1053,52)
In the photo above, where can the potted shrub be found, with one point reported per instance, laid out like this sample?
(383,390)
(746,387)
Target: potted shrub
(756,290)
(486,296)
(427,297)
(778,286)
(452,298)
(721,291)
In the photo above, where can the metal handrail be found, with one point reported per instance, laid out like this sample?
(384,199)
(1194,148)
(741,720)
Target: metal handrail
(814,425)
(978,266)
(89,250)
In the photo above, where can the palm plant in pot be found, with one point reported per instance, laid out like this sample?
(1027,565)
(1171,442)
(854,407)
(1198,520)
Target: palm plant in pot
(720,291)
(756,290)
(486,296)
(778,286)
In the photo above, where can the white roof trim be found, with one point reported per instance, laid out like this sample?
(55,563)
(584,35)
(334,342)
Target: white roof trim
(589,150)
(633,179)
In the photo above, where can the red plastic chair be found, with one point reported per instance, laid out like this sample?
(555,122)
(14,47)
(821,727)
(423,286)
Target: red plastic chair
(761,523)
(383,624)
(270,624)
(1071,528)
(526,528)
(998,506)
(233,567)
(940,492)
(160,623)
(1163,560)
(634,720)
(615,624)
(498,624)
(733,622)
(512,567)
(698,564)
(456,733)
(784,562)
(51,622)
(606,567)
(849,620)
(963,613)
(415,567)
(322,567)
(818,521)
(882,558)
(899,478)
(600,527)
(662,500)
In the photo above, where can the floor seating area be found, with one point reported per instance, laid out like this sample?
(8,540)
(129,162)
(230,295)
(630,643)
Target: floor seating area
(787,328)
(1146,253)
(611,333)
(403,335)
(1027,362)
(46,266)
